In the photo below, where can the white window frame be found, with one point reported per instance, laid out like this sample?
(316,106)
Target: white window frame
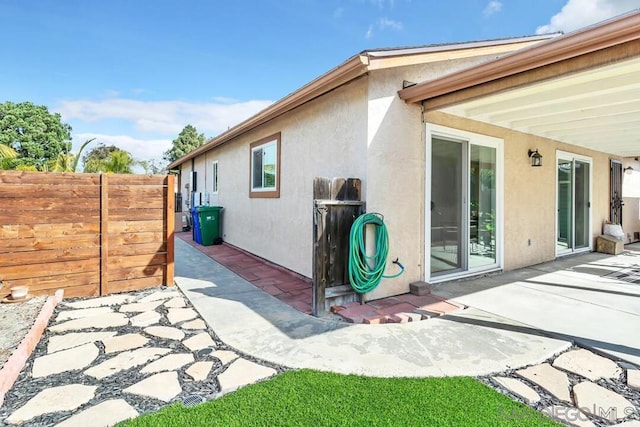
(262,191)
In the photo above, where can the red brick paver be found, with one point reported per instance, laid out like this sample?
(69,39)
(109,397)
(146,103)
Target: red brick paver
(295,290)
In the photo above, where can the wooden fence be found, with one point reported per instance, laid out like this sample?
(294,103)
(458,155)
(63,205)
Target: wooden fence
(91,234)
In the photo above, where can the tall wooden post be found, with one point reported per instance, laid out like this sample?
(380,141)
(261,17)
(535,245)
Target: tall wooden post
(104,234)
(170,225)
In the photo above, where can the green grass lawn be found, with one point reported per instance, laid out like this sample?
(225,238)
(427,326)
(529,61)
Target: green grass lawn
(311,398)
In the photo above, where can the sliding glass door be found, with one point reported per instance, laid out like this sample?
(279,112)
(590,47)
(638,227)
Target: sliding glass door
(463,206)
(573,225)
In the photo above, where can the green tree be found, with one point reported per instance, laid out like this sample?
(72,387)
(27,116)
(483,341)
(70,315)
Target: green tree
(68,162)
(37,135)
(153,166)
(109,159)
(187,141)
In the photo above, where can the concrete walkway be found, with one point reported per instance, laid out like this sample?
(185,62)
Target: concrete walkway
(256,323)
(591,299)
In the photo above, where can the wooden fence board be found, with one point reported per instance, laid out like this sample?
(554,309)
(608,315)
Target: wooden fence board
(68,192)
(137,260)
(44,203)
(136,226)
(48,256)
(45,243)
(56,231)
(116,274)
(135,214)
(158,180)
(48,217)
(137,249)
(15,177)
(26,231)
(135,238)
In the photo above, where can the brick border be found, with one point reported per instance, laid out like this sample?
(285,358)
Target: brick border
(11,369)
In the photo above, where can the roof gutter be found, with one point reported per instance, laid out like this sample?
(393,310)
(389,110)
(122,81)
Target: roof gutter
(347,71)
(601,36)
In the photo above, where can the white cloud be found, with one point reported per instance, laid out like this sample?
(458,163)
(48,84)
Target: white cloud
(492,8)
(369,32)
(383,24)
(580,13)
(140,149)
(163,117)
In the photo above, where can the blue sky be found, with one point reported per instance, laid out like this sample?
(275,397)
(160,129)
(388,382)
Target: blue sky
(134,72)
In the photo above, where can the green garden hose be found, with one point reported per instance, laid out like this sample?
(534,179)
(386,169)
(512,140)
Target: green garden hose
(366,272)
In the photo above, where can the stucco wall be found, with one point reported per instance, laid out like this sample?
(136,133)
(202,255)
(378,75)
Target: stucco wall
(396,166)
(530,193)
(631,199)
(326,137)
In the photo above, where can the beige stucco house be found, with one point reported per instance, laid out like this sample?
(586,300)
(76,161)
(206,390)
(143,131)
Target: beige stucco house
(443,138)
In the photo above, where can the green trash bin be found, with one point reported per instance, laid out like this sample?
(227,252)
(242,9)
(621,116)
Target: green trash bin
(209,218)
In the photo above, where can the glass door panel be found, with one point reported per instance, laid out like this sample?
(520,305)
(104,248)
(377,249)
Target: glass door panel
(582,204)
(447,159)
(565,206)
(482,206)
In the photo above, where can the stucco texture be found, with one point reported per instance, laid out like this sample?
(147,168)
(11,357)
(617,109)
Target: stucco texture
(530,192)
(322,138)
(631,199)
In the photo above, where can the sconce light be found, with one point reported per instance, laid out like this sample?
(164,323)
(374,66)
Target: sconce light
(536,158)
(628,170)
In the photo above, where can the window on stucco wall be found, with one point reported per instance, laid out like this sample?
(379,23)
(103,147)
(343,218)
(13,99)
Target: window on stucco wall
(214,177)
(265,167)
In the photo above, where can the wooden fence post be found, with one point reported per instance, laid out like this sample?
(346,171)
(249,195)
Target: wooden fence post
(170,224)
(104,234)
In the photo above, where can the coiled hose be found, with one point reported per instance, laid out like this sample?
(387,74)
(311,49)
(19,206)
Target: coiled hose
(366,272)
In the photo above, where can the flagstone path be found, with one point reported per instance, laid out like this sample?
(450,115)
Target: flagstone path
(103,360)
(578,388)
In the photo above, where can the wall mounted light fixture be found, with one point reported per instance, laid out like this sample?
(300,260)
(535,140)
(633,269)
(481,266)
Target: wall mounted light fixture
(628,170)
(536,158)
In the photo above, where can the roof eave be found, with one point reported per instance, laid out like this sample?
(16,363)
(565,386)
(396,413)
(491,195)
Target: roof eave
(588,40)
(349,70)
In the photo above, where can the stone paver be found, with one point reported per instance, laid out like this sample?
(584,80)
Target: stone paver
(138,307)
(124,342)
(199,371)
(170,362)
(601,402)
(243,372)
(101,302)
(108,320)
(104,414)
(200,341)
(145,319)
(177,302)
(552,380)
(519,389)
(225,356)
(587,364)
(74,339)
(633,378)
(194,325)
(126,360)
(569,415)
(632,423)
(160,295)
(54,399)
(65,360)
(166,332)
(177,315)
(164,386)
(85,312)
